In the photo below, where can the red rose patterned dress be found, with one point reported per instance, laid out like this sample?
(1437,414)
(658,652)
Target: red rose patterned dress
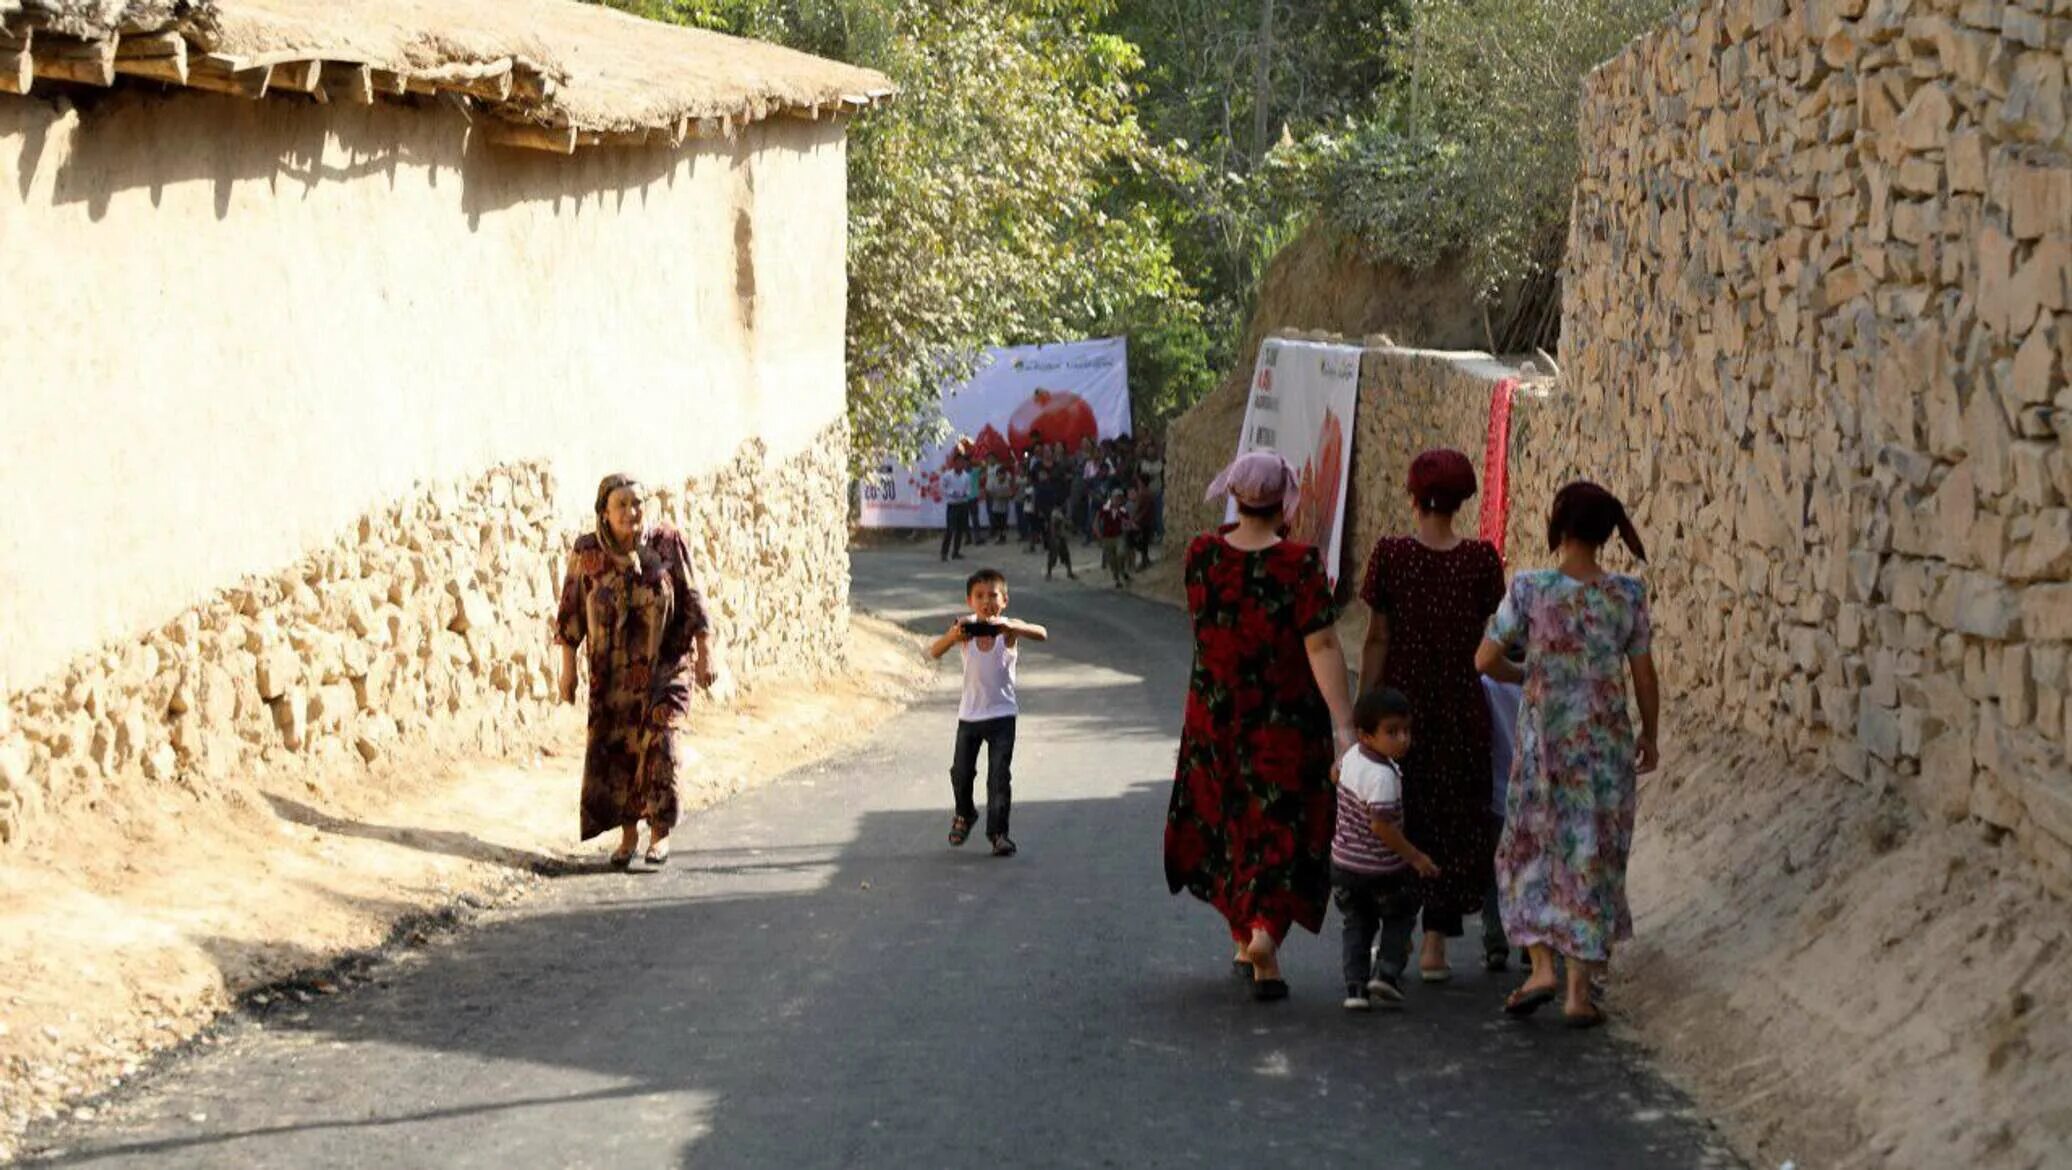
(1253,807)
(637,622)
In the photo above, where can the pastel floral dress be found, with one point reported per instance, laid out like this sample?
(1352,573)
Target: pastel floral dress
(1568,829)
(1249,826)
(637,622)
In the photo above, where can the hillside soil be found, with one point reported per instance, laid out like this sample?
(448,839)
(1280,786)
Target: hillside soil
(155,913)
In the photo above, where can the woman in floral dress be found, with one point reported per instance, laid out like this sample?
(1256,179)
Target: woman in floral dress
(632,599)
(1568,829)
(1249,826)
(1429,595)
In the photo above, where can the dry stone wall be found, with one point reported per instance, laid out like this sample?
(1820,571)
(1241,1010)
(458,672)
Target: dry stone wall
(1818,329)
(425,626)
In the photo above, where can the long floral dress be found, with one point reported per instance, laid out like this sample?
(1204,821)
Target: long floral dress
(1249,826)
(637,622)
(1436,604)
(1568,829)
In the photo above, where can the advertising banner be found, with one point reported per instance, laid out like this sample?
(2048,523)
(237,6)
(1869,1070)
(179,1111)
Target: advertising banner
(1303,395)
(1022,395)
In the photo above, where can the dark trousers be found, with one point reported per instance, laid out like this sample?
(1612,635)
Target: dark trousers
(1058,544)
(998,737)
(1375,903)
(956,531)
(999,515)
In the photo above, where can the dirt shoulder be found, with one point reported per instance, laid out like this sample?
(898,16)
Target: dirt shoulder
(154,913)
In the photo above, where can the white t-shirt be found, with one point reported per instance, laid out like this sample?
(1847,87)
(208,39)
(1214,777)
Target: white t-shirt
(989,677)
(1373,781)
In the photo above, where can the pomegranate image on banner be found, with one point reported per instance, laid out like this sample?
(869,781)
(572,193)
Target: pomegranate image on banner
(1319,481)
(1052,416)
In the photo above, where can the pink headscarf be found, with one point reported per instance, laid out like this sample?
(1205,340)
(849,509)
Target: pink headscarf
(1257,477)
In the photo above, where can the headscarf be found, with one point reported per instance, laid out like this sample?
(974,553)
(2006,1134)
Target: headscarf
(623,557)
(1441,479)
(1258,477)
(1588,512)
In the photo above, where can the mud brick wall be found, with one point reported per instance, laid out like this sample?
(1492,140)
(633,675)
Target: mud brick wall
(1817,331)
(422,629)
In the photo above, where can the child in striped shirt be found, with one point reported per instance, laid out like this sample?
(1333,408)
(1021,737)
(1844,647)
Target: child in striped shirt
(1374,867)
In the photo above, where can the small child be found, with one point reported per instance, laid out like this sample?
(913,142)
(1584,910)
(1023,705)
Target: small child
(1372,862)
(991,645)
(1113,526)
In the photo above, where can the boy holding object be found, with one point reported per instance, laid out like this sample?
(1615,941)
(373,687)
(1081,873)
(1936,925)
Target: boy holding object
(1373,865)
(991,646)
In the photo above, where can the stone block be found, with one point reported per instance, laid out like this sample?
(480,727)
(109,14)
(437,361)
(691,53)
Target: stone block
(291,718)
(2039,197)
(1981,605)
(279,668)
(1878,731)
(2046,612)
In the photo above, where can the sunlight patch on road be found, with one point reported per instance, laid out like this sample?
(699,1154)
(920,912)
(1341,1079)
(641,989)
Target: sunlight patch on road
(1276,1064)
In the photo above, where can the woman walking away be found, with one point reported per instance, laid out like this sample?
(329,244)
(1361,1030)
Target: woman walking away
(631,599)
(1253,808)
(1429,595)
(1568,825)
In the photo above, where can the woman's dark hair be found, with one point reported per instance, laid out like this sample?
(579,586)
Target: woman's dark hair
(1379,704)
(1259,511)
(1586,512)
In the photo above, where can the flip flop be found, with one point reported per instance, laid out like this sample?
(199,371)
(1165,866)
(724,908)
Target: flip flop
(1582,1020)
(621,860)
(1241,967)
(1269,990)
(1522,1003)
(658,854)
(1435,974)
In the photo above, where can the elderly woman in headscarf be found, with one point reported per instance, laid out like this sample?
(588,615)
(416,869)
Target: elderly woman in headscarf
(631,600)
(1428,595)
(1253,807)
(1568,824)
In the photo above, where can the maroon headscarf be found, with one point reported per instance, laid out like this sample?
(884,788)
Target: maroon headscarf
(1441,480)
(1590,514)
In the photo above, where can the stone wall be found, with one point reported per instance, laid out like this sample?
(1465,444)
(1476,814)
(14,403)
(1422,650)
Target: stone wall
(1818,330)
(423,628)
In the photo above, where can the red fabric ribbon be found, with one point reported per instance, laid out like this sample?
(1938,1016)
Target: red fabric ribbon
(1496,465)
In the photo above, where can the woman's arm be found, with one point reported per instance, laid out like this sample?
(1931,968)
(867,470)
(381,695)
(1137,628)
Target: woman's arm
(1647,688)
(1374,652)
(1327,663)
(1491,660)
(568,673)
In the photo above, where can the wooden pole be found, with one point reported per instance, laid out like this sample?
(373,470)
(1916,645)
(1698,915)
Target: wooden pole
(557,139)
(84,62)
(229,75)
(17,63)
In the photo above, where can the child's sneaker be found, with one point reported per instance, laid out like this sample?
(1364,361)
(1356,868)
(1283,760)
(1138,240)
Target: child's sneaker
(1356,998)
(1385,990)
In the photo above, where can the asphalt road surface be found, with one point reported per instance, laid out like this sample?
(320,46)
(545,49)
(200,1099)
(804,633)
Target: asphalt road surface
(818,980)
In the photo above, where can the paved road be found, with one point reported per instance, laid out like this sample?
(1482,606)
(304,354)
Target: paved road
(818,981)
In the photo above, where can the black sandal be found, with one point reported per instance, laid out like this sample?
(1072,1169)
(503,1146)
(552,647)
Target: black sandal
(1522,1003)
(1002,846)
(621,860)
(1269,990)
(960,831)
(1594,1018)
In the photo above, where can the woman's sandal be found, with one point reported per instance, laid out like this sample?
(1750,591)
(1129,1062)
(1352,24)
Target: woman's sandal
(620,860)
(960,831)
(1522,1003)
(1269,990)
(658,853)
(1580,1020)
(1241,967)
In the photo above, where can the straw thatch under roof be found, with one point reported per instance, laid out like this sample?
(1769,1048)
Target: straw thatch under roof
(554,73)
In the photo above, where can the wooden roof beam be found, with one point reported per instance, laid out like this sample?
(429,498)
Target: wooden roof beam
(83,62)
(159,56)
(299,76)
(554,139)
(229,75)
(349,82)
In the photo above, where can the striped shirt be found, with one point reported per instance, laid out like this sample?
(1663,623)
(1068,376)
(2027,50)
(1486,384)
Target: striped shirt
(1370,787)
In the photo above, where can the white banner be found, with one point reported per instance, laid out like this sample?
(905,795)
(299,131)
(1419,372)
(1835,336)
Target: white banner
(1021,395)
(1303,397)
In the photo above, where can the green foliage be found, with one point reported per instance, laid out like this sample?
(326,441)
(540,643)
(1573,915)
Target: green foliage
(1470,150)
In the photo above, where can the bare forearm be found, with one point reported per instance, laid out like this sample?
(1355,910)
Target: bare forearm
(568,671)
(1327,664)
(941,645)
(1491,660)
(1647,690)
(1029,630)
(1374,651)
